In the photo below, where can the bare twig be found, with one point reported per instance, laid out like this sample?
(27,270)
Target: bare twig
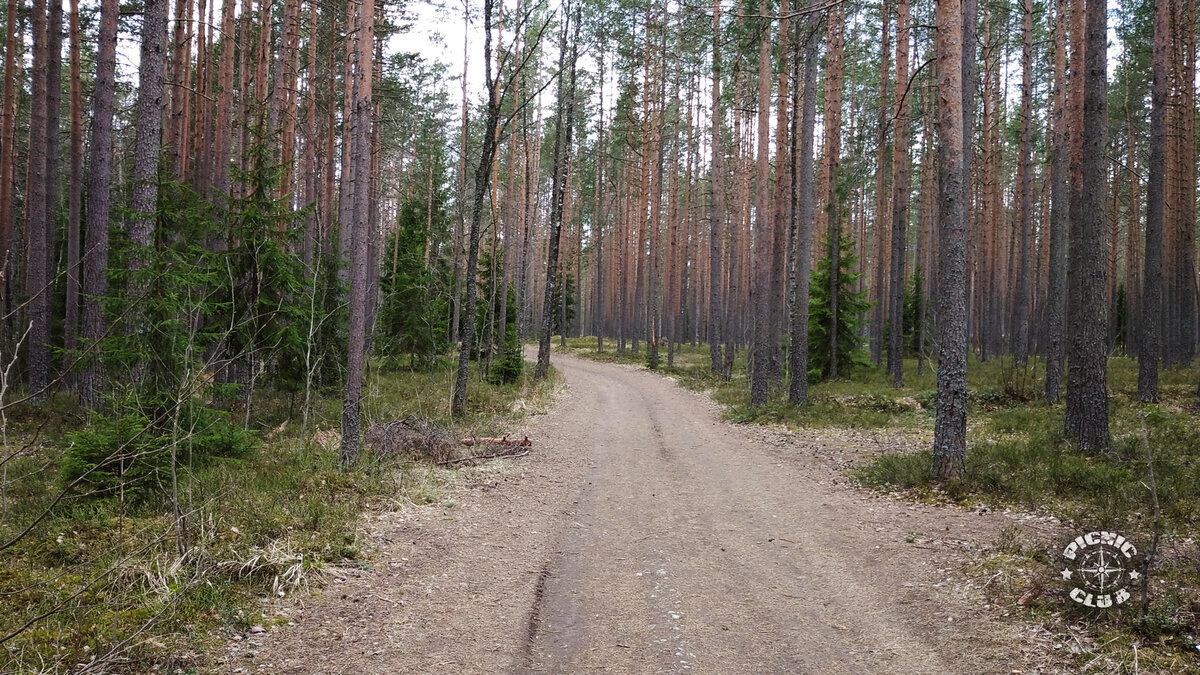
(1153,550)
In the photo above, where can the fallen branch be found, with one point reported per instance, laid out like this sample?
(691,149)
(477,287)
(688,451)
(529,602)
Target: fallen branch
(525,442)
(492,456)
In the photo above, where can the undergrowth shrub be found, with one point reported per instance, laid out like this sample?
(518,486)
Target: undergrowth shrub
(127,449)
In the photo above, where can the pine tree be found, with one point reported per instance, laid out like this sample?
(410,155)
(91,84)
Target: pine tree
(412,316)
(852,305)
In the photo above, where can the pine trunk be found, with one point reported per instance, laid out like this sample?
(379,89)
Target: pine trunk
(901,189)
(358,223)
(1150,341)
(760,281)
(1056,292)
(7,151)
(1090,333)
(805,211)
(879,294)
(38,221)
(147,144)
(950,427)
(94,258)
(483,174)
(1020,333)
(717,212)
(75,201)
(559,188)
(833,150)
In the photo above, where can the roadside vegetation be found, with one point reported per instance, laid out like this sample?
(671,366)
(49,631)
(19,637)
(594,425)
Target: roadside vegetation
(1018,459)
(114,574)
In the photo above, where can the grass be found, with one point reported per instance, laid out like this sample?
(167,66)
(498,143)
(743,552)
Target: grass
(108,571)
(1017,457)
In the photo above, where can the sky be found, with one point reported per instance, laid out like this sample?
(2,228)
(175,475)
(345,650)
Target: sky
(437,35)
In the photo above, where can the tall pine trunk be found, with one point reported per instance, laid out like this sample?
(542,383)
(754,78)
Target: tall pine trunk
(483,175)
(359,224)
(559,187)
(1150,342)
(879,293)
(950,427)
(901,188)
(1020,333)
(75,201)
(38,222)
(1087,423)
(805,211)
(717,212)
(836,43)
(760,280)
(7,152)
(782,210)
(1056,292)
(147,144)
(94,258)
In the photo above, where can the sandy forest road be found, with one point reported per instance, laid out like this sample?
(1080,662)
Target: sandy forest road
(644,535)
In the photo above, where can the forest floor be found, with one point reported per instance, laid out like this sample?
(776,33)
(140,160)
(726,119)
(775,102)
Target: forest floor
(645,534)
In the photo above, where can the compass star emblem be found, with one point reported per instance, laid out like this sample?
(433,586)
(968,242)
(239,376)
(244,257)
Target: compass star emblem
(1101,567)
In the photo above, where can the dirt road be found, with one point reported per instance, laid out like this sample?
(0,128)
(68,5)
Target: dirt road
(644,535)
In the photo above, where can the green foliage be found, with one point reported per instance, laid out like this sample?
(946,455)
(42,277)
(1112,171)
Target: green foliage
(413,320)
(134,453)
(913,323)
(851,306)
(507,367)
(213,282)
(263,300)
(565,283)
(264,519)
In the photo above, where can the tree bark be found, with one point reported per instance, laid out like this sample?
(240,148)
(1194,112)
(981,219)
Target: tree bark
(1075,96)
(879,294)
(717,212)
(39,222)
(1133,226)
(224,132)
(836,42)
(1090,334)
(901,193)
(1020,334)
(359,224)
(805,211)
(75,202)
(483,174)
(460,220)
(7,152)
(180,66)
(1056,293)
(147,145)
(1150,342)
(782,210)
(94,259)
(559,188)
(760,281)
(950,427)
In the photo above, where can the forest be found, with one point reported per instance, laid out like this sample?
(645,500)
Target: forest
(262,263)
